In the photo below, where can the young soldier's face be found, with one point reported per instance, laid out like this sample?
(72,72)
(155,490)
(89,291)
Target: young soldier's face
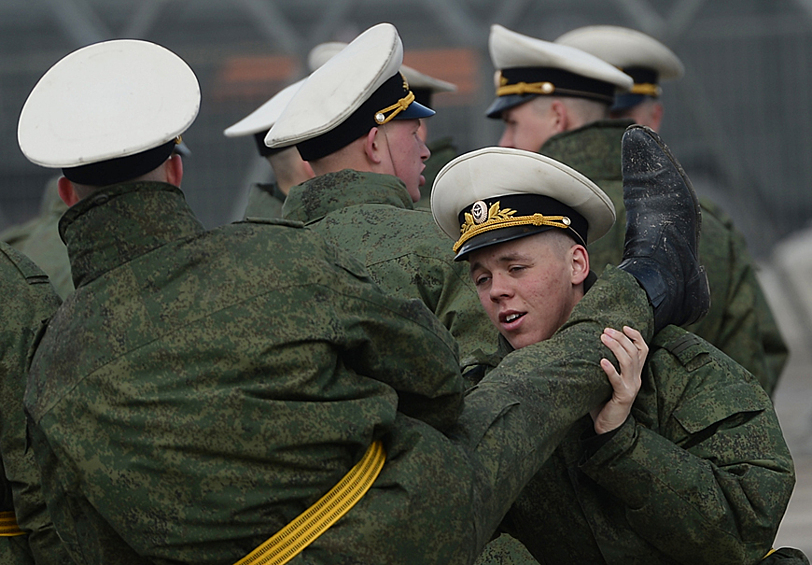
(407,151)
(527,126)
(529,286)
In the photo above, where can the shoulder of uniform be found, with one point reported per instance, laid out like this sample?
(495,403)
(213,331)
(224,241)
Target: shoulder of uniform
(273,222)
(682,344)
(24,266)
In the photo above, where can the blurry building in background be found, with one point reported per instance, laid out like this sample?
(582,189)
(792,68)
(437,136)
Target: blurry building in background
(740,121)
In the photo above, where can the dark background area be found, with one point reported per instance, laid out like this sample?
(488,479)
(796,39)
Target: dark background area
(740,120)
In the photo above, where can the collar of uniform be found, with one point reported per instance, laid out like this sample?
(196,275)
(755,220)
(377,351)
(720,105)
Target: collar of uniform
(314,199)
(593,150)
(120,222)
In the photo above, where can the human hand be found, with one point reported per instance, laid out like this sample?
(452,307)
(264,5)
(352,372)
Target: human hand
(631,350)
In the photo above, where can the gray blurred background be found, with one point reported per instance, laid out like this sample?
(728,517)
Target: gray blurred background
(740,120)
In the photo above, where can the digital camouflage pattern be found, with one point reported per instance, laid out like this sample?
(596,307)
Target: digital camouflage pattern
(372,216)
(264,201)
(740,322)
(698,474)
(227,379)
(442,152)
(39,240)
(28,302)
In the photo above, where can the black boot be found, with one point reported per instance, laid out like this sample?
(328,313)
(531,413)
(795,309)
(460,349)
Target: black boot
(662,230)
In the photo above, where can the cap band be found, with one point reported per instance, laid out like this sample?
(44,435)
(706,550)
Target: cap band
(264,150)
(646,89)
(422,95)
(645,81)
(549,80)
(477,220)
(360,121)
(396,108)
(113,171)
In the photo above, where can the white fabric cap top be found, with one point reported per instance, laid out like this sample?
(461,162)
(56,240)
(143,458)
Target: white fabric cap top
(339,87)
(492,192)
(264,117)
(323,52)
(625,48)
(510,50)
(107,100)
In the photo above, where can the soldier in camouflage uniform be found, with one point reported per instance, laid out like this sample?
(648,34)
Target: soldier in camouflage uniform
(39,240)
(576,133)
(649,62)
(265,200)
(424,87)
(692,467)
(201,389)
(28,535)
(363,200)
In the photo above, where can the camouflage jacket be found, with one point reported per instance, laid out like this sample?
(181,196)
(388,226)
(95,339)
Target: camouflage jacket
(39,240)
(264,201)
(740,322)
(698,474)
(28,302)
(371,216)
(227,379)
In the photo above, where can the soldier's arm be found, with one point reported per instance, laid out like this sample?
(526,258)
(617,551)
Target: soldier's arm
(31,301)
(712,484)
(399,342)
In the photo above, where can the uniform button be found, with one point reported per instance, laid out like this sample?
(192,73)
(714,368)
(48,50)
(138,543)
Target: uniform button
(101,199)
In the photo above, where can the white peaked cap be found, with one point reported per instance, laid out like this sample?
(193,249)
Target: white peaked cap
(497,174)
(337,88)
(509,49)
(264,117)
(625,48)
(107,100)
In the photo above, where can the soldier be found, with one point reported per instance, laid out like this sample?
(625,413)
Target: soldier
(27,535)
(266,200)
(200,390)
(424,87)
(39,240)
(555,100)
(369,173)
(690,468)
(649,62)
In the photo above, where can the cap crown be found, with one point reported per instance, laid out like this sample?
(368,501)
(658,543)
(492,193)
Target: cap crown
(625,48)
(339,87)
(108,100)
(509,49)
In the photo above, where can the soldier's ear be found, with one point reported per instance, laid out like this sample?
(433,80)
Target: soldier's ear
(580,264)
(174,170)
(67,192)
(559,115)
(372,146)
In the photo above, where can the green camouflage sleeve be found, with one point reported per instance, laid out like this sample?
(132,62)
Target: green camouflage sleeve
(712,483)
(29,300)
(401,343)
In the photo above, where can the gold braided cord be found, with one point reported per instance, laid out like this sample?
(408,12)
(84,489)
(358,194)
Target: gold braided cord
(526,88)
(491,224)
(772,550)
(288,542)
(395,108)
(647,89)
(8,525)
